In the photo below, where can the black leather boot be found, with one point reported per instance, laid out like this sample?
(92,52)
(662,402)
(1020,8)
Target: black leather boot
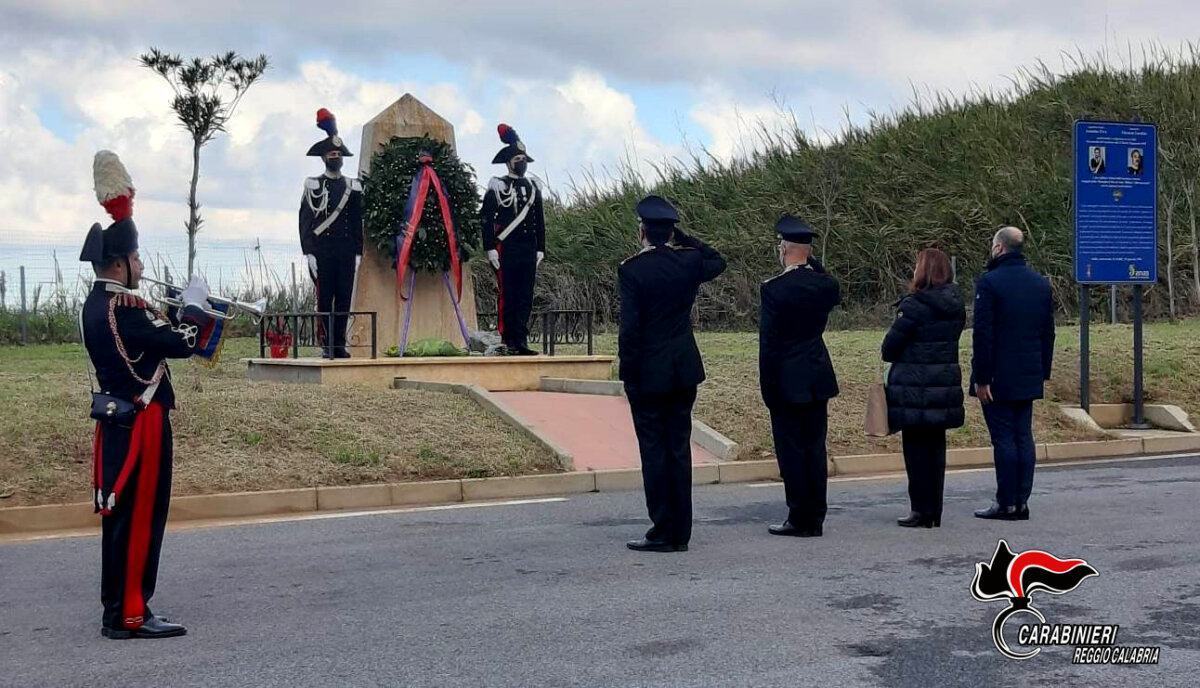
(648,545)
(151,628)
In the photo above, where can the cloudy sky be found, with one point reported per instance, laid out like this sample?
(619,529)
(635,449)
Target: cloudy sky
(587,85)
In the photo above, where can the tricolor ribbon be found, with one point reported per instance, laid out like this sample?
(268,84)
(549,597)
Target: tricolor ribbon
(414,208)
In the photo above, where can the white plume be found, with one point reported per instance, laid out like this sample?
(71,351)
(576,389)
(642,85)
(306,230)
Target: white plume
(112,179)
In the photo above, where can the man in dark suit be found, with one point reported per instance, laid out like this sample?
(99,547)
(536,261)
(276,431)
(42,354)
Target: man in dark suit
(796,375)
(1013,345)
(660,364)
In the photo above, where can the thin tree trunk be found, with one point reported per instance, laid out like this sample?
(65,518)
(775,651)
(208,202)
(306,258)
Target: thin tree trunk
(1171,256)
(1191,200)
(193,209)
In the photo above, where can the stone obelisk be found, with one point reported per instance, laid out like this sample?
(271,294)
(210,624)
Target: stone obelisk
(375,290)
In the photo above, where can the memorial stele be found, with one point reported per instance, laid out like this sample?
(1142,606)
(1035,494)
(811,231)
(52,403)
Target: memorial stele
(375,290)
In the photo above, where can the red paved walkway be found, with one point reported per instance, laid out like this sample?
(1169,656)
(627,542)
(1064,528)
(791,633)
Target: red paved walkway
(597,430)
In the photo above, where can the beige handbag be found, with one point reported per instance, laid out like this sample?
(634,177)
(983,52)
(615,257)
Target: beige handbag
(877,409)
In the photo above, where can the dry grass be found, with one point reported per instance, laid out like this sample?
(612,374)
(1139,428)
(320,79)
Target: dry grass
(233,435)
(730,402)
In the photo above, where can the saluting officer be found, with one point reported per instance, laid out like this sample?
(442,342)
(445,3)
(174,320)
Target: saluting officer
(660,364)
(331,232)
(796,374)
(128,342)
(514,236)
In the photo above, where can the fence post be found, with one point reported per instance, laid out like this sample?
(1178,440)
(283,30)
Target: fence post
(295,291)
(24,313)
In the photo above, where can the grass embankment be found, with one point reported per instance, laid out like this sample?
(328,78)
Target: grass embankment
(945,171)
(232,435)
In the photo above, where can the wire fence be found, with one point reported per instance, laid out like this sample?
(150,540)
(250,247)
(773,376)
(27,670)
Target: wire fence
(42,287)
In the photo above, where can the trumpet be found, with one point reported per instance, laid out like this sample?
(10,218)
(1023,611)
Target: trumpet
(161,291)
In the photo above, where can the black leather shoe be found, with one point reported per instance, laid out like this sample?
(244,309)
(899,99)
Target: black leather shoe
(995,512)
(786,528)
(1022,512)
(916,520)
(342,352)
(523,351)
(645,545)
(151,628)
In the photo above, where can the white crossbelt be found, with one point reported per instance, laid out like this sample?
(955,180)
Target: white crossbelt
(516,221)
(334,215)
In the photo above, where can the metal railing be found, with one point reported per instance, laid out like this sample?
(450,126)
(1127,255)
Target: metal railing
(553,328)
(310,329)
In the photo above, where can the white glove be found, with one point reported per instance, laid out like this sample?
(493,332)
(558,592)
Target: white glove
(540,256)
(195,294)
(494,258)
(312,266)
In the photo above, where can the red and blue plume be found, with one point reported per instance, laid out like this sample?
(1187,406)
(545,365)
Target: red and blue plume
(327,122)
(507,134)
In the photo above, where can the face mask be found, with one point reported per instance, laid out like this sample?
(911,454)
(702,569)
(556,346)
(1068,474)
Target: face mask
(333,164)
(519,167)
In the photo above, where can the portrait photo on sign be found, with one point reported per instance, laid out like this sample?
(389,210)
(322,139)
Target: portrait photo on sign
(1096,160)
(1135,161)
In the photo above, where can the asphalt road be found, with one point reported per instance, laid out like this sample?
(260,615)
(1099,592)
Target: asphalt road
(545,594)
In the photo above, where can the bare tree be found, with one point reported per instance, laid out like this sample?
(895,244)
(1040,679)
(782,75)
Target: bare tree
(1172,200)
(207,92)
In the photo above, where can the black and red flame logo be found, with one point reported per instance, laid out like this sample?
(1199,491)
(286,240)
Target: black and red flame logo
(1017,576)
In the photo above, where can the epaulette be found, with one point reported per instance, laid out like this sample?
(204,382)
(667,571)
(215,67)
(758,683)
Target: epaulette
(355,185)
(497,184)
(312,183)
(131,301)
(644,251)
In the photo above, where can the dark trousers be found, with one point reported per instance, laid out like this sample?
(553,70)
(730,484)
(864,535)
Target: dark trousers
(1010,424)
(799,431)
(663,423)
(131,539)
(514,281)
(335,287)
(925,463)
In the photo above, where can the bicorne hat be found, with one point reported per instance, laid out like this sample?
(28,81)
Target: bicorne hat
(328,123)
(114,190)
(513,147)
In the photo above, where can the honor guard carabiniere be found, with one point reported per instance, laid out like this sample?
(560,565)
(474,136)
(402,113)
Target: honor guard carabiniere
(331,234)
(514,236)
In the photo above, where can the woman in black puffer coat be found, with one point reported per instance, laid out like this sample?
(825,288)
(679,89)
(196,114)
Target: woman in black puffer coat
(924,386)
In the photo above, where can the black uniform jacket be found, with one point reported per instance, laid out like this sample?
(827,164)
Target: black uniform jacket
(793,363)
(658,286)
(321,197)
(114,319)
(503,201)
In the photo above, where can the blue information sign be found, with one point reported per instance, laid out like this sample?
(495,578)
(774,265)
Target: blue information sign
(1116,206)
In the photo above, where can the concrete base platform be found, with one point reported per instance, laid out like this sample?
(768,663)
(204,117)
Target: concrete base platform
(493,373)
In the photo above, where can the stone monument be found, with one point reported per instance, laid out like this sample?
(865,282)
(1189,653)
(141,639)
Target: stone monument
(433,312)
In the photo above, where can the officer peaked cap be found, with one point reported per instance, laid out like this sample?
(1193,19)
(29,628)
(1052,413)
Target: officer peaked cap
(657,210)
(793,229)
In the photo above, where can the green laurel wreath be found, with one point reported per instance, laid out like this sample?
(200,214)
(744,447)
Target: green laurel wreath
(385,191)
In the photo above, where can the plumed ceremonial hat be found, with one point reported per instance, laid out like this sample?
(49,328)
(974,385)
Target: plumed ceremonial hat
(657,210)
(114,191)
(327,123)
(513,145)
(793,229)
